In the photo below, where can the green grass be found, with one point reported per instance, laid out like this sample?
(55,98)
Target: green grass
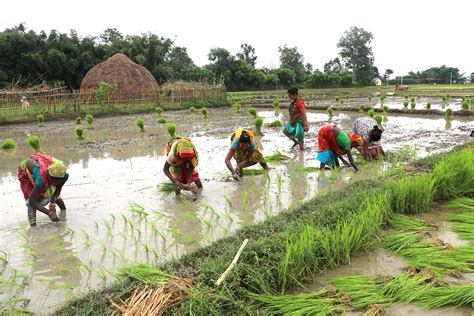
(8,144)
(277,156)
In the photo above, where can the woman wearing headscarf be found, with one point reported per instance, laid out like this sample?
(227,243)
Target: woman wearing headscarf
(181,164)
(244,148)
(370,132)
(41,180)
(333,143)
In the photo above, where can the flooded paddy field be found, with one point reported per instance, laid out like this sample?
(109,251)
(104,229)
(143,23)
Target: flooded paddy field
(116,215)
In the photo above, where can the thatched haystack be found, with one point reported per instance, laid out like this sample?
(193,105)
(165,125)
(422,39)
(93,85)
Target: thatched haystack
(122,72)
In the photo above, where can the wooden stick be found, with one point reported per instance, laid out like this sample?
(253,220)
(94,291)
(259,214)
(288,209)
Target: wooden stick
(232,265)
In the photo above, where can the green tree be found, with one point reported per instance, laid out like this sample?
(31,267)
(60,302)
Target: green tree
(292,59)
(387,74)
(286,76)
(357,55)
(248,54)
(333,65)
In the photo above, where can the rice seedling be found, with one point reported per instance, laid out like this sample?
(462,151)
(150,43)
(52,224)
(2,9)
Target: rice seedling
(413,195)
(310,169)
(447,295)
(362,290)
(258,126)
(277,156)
(362,108)
(324,302)
(192,110)
(253,112)
(166,188)
(405,104)
(79,133)
(237,107)
(40,118)
(399,241)
(449,113)
(137,209)
(330,112)
(212,209)
(412,104)
(78,120)
(464,204)
(8,144)
(158,111)
(371,113)
(140,124)
(336,98)
(385,108)
(465,105)
(204,112)
(276,123)
(428,105)
(33,141)
(171,129)
(379,119)
(370,98)
(407,288)
(89,120)
(161,120)
(403,222)
(276,104)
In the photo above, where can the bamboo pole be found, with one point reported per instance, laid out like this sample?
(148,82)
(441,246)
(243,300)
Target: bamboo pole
(233,263)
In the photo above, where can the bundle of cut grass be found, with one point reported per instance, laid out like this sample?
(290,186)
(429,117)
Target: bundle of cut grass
(276,157)
(362,290)
(253,112)
(33,141)
(327,301)
(8,144)
(140,124)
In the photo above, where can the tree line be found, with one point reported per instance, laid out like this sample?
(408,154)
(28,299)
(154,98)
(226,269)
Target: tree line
(29,58)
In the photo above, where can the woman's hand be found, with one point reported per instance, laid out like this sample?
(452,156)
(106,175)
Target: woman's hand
(52,207)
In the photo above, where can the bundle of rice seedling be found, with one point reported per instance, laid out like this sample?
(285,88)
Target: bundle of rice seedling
(171,129)
(33,141)
(8,144)
(413,194)
(276,123)
(253,172)
(464,204)
(362,290)
(408,288)
(403,222)
(258,125)
(253,112)
(166,188)
(448,295)
(276,157)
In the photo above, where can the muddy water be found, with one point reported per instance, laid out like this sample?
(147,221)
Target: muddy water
(117,165)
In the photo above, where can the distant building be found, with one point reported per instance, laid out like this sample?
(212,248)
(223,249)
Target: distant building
(378,82)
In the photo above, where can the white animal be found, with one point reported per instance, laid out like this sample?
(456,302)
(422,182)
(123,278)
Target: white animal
(24,103)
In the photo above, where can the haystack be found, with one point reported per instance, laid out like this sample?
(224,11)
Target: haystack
(122,72)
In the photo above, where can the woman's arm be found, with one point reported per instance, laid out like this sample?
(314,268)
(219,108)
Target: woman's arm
(351,161)
(365,151)
(35,203)
(229,156)
(166,170)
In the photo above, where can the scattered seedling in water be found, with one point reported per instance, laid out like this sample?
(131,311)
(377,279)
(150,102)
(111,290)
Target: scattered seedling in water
(253,112)
(40,119)
(89,120)
(276,157)
(371,112)
(405,104)
(192,110)
(204,112)
(258,126)
(279,181)
(449,113)
(362,108)
(465,105)
(33,141)
(79,132)
(385,108)
(158,111)
(171,129)
(141,124)
(137,208)
(428,105)
(237,107)
(9,144)
(276,105)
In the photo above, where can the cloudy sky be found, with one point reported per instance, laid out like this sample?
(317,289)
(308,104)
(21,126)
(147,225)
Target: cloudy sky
(408,35)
